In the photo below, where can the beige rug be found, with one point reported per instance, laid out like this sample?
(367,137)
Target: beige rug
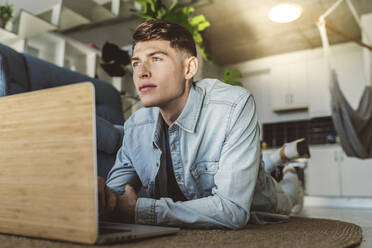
(298,232)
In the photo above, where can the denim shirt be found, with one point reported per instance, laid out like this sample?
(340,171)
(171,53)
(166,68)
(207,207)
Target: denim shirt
(216,157)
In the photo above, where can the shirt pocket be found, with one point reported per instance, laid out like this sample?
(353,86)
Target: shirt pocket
(203,174)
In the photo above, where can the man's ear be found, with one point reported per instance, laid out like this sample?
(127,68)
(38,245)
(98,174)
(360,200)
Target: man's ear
(191,67)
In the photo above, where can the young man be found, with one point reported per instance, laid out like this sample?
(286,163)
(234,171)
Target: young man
(191,157)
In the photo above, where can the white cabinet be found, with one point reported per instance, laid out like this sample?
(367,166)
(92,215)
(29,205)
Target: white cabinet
(320,99)
(323,172)
(289,86)
(331,173)
(356,176)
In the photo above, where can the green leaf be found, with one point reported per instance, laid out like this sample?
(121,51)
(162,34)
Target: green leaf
(152,4)
(234,83)
(144,16)
(197,19)
(161,14)
(188,10)
(205,55)
(198,38)
(230,74)
(235,74)
(143,3)
(203,25)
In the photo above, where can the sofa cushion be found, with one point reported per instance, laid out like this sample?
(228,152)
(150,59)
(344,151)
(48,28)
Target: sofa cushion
(14,78)
(43,75)
(109,137)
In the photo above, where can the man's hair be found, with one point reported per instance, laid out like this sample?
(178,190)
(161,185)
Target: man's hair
(179,37)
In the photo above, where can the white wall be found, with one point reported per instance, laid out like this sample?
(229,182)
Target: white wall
(366,22)
(348,61)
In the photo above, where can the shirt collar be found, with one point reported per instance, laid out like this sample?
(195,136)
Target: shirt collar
(190,113)
(188,117)
(156,136)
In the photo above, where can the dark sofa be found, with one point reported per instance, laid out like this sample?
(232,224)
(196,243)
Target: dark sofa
(22,73)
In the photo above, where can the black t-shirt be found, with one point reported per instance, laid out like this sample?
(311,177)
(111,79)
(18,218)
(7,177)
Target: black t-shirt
(166,184)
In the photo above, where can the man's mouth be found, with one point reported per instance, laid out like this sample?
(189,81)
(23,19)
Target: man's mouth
(146,87)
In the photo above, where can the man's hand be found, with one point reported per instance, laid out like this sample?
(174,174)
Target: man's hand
(106,198)
(127,205)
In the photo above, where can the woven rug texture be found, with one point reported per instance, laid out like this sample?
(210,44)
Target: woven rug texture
(298,232)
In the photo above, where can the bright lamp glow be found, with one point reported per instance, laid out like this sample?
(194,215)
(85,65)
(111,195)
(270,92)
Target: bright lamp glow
(284,13)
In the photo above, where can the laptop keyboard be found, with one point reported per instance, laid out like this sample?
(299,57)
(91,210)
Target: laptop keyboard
(112,227)
(106,230)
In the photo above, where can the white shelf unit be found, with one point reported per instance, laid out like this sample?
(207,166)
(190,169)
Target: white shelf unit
(59,50)
(118,7)
(48,47)
(79,57)
(29,25)
(26,26)
(7,36)
(71,13)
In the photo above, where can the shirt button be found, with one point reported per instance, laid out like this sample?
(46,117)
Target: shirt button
(157,164)
(179,178)
(145,186)
(174,147)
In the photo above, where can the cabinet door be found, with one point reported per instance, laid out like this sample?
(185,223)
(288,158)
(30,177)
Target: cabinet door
(355,175)
(297,88)
(289,86)
(258,85)
(323,178)
(279,87)
(320,103)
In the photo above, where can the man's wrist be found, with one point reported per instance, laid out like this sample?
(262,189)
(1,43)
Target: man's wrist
(145,211)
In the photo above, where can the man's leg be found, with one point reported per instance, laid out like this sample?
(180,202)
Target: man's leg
(291,150)
(277,197)
(291,186)
(289,190)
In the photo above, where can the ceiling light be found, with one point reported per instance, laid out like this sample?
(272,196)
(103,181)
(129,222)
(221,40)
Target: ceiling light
(284,13)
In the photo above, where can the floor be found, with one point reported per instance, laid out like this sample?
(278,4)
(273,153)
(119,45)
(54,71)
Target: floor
(361,217)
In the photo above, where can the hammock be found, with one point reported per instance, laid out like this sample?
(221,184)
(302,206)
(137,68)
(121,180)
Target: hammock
(354,127)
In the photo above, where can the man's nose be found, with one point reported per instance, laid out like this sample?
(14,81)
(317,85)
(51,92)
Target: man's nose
(144,71)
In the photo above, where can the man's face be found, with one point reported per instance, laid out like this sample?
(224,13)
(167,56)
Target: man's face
(158,73)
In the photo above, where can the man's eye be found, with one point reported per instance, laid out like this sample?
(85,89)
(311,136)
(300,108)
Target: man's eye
(135,64)
(156,59)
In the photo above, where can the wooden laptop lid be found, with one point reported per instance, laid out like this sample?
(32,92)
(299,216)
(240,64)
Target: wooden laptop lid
(48,164)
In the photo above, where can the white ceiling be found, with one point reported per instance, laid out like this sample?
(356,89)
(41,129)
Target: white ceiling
(241,31)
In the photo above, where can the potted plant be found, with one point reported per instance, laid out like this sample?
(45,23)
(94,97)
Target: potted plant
(6,13)
(176,13)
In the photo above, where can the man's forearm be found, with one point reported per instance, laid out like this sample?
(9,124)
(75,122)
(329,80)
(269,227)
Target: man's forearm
(208,212)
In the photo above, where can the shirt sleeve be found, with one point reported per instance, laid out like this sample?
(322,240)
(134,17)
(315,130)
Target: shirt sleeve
(229,205)
(122,172)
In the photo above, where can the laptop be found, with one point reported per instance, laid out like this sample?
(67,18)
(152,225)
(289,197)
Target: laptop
(48,175)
